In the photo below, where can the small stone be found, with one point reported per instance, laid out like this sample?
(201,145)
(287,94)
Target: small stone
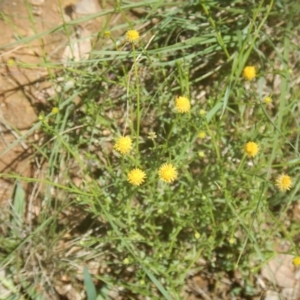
(86,7)
(36,2)
(37,11)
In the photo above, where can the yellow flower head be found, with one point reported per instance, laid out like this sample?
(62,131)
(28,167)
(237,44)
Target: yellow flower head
(132,36)
(126,261)
(55,110)
(296,261)
(201,135)
(232,241)
(136,176)
(152,135)
(167,173)
(284,182)
(107,34)
(201,154)
(11,62)
(251,149)
(202,112)
(268,100)
(249,73)
(182,105)
(123,144)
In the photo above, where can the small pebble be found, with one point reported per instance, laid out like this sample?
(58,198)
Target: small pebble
(36,2)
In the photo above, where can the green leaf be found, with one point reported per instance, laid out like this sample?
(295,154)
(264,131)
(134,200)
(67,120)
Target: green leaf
(19,204)
(89,285)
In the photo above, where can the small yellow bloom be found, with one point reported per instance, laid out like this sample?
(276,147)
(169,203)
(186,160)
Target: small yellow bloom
(107,34)
(232,241)
(284,182)
(197,235)
(201,154)
(132,36)
(182,105)
(167,173)
(251,149)
(296,261)
(11,62)
(123,144)
(249,73)
(268,100)
(152,135)
(55,110)
(202,112)
(126,261)
(136,176)
(201,135)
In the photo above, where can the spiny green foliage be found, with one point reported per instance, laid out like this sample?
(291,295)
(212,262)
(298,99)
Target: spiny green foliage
(154,234)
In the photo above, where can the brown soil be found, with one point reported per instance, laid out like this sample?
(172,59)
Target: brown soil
(24,84)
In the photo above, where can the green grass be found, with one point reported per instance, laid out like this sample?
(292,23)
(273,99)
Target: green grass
(223,213)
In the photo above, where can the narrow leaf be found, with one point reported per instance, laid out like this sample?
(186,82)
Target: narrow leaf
(89,285)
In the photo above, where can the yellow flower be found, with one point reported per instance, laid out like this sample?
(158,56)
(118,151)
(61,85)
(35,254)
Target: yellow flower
(136,176)
(202,112)
(284,182)
(182,104)
(55,110)
(201,154)
(296,261)
(197,235)
(132,36)
(152,135)
(268,100)
(126,261)
(11,62)
(123,144)
(232,241)
(107,34)
(201,135)
(251,149)
(249,73)
(167,173)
